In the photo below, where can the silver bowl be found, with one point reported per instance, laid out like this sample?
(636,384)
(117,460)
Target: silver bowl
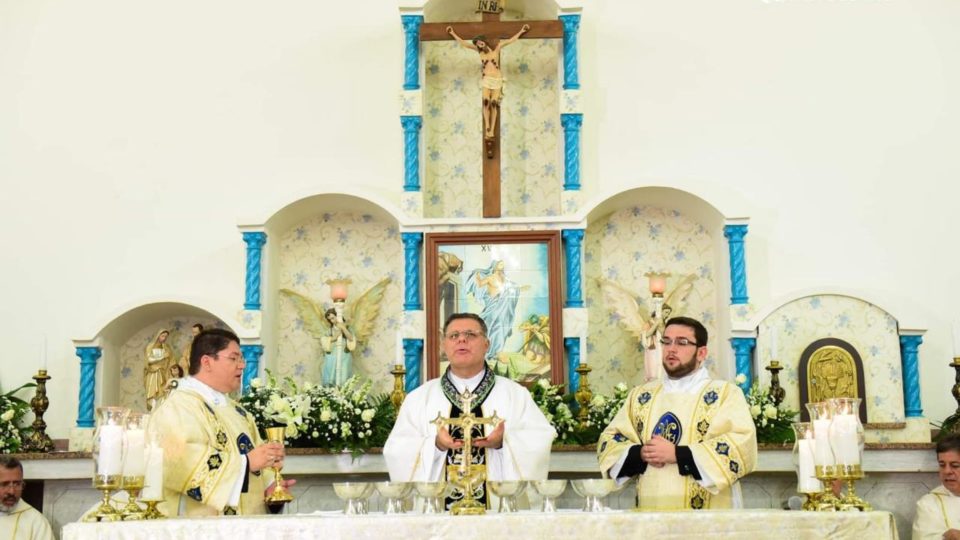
(593,490)
(507,491)
(549,490)
(432,494)
(394,494)
(355,494)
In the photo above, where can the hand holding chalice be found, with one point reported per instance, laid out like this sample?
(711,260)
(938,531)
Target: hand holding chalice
(280,494)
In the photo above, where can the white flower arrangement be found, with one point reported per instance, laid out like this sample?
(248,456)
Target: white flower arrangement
(773,423)
(13,410)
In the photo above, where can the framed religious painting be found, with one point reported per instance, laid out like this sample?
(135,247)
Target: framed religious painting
(512,281)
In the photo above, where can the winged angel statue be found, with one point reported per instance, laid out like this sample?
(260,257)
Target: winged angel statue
(646,324)
(339,330)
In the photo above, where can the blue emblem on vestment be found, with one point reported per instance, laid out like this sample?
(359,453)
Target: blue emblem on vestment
(734,467)
(244,444)
(603,446)
(723,448)
(194,493)
(710,397)
(669,428)
(644,398)
(619,437)
(242,411)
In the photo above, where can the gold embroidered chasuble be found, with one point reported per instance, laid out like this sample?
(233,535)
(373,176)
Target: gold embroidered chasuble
(202,445)
(714,422)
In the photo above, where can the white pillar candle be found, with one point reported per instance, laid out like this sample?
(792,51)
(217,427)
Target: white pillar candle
(134,463)
(153,481)
(583,349)
(806,475)
(844,439)
(823,454)
(400,359)
(110,460)
(43,353)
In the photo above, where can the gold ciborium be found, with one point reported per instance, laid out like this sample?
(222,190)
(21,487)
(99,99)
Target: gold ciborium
(280,494)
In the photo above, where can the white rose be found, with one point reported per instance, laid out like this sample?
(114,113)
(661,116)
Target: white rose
(755,411)
(598,401)
(621,387)
(770,411)
(543,383)
(326,415)
(256,383)
(367,415)
(7,416)
(741,378)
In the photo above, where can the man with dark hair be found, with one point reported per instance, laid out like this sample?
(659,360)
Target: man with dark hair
(517,449)
(214,460)
(18,520)
(687,438)
(938,512)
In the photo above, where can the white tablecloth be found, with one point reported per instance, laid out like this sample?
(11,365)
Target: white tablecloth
(747,524)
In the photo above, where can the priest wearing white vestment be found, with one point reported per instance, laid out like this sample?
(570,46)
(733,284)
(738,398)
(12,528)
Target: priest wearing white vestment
(18,520)
(688,439)
(517,449)
(938,512)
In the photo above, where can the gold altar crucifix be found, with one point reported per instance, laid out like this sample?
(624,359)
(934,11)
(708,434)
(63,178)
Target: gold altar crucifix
(493,30)
(467,475)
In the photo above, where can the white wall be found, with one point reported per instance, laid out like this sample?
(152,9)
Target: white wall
(133,135)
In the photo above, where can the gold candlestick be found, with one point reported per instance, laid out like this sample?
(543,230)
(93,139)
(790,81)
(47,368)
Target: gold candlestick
(777,392)
(826,500)
(850,501)
(132,485)
(280,494)
(583,395)
(106,511)
(152,512)
(398,394)
(38,440)
(952,423)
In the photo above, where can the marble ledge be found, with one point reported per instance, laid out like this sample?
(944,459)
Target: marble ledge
(565,460)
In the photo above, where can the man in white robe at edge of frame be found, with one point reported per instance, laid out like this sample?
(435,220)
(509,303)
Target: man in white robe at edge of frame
(687,438)
(18,520)
(938,512)
(517,449)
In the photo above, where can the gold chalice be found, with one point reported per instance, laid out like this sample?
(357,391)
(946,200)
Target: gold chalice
(280,494)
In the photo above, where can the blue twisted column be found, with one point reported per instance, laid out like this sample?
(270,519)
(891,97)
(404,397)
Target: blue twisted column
(911,375)
(571,77)
(412,360)
(411,152)
(255,242)
(572,344)
(88,384)
(571,150)
(573,246)
(411,258)
(251,355)
(411,64)
(743,352)
(738,263)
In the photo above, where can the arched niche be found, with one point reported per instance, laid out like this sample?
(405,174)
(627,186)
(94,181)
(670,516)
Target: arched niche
(124,340)
(322,237)
(868,329)
(654,229)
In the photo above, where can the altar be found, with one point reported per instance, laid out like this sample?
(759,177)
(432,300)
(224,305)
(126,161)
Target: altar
(570,524)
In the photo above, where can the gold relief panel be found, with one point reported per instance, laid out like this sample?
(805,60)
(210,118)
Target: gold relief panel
(831,368)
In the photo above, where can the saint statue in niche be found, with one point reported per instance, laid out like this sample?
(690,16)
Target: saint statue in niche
(158,356)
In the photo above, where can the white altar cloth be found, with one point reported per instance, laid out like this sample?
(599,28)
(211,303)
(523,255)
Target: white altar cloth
(745,524)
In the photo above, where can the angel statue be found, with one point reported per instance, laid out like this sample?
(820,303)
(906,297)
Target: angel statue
(647,324)
(340,331)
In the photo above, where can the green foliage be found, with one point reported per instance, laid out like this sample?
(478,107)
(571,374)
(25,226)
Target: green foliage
(559,410)
(12,411)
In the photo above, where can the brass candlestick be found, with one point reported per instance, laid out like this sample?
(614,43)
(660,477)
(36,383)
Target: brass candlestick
(38,440)
(583,395)
(106,511)
(826,500)
(133,485)
(777,393)
(398,394)
(152,512)
(850,501)
(280,494)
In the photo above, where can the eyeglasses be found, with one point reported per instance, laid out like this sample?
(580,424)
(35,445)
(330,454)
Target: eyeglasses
(679,342)
(16,484)
(469,335)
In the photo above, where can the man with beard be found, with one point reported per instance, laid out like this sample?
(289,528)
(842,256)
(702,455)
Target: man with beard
(18,520)
(938,512)
(689,439)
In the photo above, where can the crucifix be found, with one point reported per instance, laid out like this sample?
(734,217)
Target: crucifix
(467,475)
(491,31)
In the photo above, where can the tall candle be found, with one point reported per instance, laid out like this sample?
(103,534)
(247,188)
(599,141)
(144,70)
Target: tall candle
(400,359)
(806,476)
(110,461)
(43,353)
(843,437)
(583,349)
(956,339)
(134,459)
(774,345)
(823,454)
(153,481)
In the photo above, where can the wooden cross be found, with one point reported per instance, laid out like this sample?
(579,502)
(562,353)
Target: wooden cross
(494,29)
